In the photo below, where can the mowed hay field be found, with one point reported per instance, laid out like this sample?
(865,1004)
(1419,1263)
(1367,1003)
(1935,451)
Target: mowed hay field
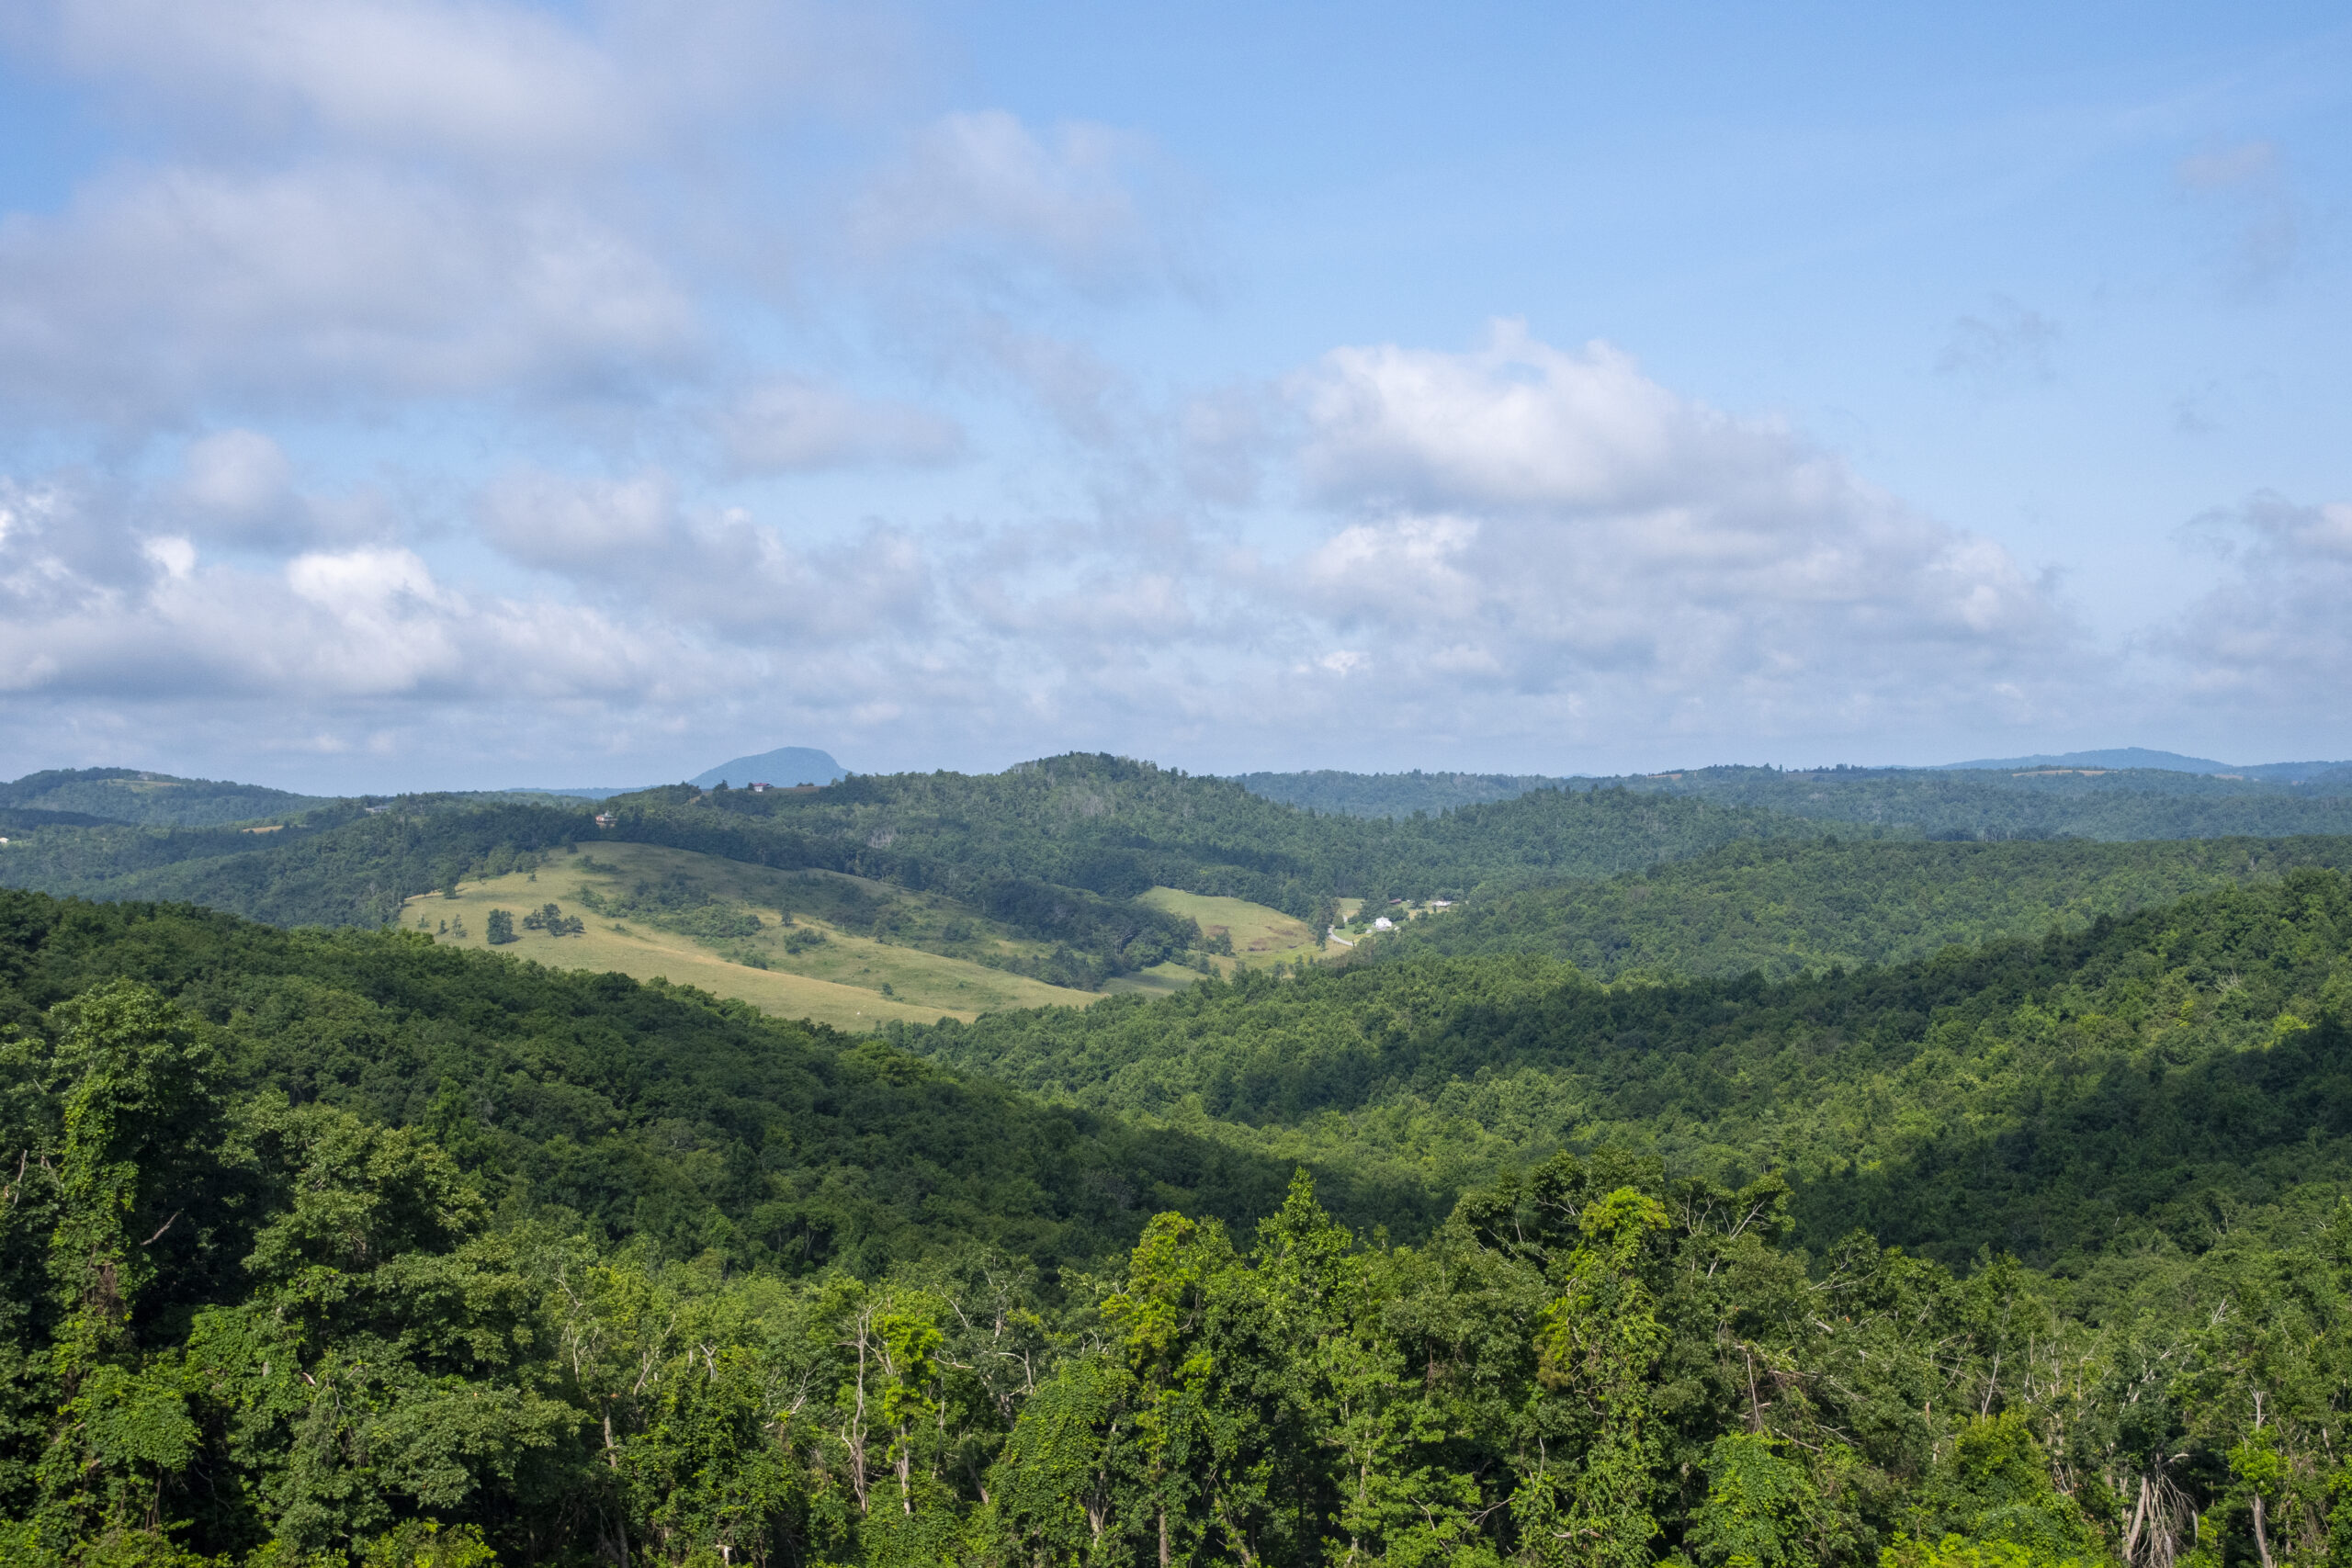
(837,982)
(1261,936)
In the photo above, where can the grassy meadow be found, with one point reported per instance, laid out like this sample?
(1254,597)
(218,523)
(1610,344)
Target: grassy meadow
(837,980)
(1260,936)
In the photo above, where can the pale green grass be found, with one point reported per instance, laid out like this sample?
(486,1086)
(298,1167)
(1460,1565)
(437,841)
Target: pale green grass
(1159,980)
(1260,936)
(839,982)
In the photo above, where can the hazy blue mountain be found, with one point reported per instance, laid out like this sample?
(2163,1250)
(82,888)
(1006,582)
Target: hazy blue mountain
(2168,761)
(785,765)
(2120,757)
(2301,773)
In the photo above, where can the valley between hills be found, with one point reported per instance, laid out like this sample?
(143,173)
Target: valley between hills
(1859,1168)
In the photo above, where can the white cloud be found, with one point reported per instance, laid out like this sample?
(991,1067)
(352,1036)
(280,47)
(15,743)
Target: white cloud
(2273,628)
(474,78)
(1514,423)
(237,475)
(325,281)
(488,83)
(789,424)
(1562,528)
(385,284)
(631,545)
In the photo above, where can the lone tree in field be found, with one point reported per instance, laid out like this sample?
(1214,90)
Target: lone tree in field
(499,927)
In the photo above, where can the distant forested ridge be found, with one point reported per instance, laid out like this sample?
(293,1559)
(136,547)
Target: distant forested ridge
(128,794)
(2139,803)
(1936,803)
(1062,846)
(1785,907)
(1115,827)
(1394,794)
(343,864)
(342,1248)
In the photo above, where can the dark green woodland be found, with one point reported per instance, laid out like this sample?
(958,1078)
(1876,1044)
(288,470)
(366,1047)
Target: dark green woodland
(1715,1185)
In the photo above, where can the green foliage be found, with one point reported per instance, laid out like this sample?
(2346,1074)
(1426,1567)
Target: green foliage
(1782,909)
(1981,804)
(2038,1097)
(129,795)
(550,920)
(1760,1510)
(339,864)
(1015,844)
(344,1248)
(1331,791)
(498,927)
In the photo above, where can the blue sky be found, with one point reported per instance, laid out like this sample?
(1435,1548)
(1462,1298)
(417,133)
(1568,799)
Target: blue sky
(403,394)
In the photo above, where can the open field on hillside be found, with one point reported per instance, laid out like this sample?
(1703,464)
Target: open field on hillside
(1159,980)
(1260,935)
(837,978)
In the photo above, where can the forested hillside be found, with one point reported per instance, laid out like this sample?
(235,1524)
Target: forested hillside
(128,794)
(2031,802)
(347,1248)
(1115,827)
(2140,803)
(1062,847)
(1331,791)
(1781,908)
(343,864)
(2093,1085)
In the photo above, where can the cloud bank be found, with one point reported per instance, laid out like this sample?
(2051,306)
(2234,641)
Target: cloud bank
(461,391)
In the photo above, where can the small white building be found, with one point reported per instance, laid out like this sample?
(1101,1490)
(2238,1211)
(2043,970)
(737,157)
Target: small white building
(1384,924)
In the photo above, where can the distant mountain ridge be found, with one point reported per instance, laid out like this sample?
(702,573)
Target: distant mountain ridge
(2124,757)
(138,797)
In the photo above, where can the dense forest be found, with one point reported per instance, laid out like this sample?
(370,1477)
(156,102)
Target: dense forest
(1970,803)
(1116,827)
(1782,909)
(2093,1084)
(325,1247)
(128,794)
(1721,1185)
(1332,792)
(345,864)
(1060,847)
